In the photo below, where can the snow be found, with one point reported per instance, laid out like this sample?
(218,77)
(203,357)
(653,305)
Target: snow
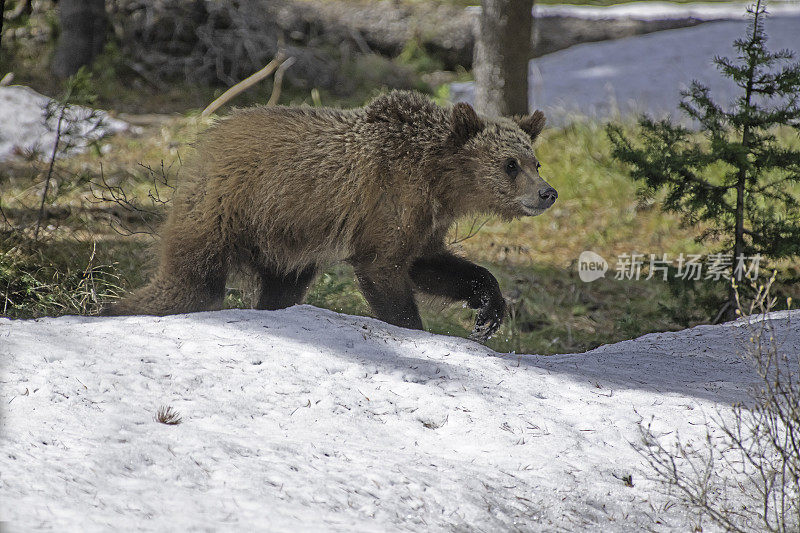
(23,127)
(664,10)
(308,419)
(645,73)
(312,420)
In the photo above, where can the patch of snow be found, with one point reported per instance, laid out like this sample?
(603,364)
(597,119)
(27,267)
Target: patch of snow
(664,10)
(639,74)
(305,419)
(23,127)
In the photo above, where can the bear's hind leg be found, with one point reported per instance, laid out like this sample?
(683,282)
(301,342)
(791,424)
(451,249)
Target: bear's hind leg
(167,295)
(190,278)
(192,273)
(279,291)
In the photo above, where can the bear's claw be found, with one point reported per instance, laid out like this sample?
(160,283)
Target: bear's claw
(484,332)
(488,322)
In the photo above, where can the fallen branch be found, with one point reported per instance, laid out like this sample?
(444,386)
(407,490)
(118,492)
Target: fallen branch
(245,84)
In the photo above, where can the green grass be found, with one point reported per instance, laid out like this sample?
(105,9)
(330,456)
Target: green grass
(82,262)
(550,309)
(63,276)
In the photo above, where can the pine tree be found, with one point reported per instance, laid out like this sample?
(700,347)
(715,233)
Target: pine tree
(734,175)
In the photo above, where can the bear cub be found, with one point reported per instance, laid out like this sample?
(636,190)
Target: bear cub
(286,191)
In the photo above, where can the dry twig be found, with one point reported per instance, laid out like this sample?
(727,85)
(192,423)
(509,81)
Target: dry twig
(160,195)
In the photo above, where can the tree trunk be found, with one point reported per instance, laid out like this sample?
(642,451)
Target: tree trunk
(502,52)
(2,11)
(741,185)
(738,241)
(83,35)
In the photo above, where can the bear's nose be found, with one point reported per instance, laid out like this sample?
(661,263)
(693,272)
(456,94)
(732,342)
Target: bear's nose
(548,196)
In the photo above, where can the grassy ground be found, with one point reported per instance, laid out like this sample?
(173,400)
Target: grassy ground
(81,258)
(81,261)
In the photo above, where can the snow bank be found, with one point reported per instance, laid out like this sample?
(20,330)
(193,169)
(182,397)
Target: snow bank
(305,419)
(638,74)
(664,10)
(23,127)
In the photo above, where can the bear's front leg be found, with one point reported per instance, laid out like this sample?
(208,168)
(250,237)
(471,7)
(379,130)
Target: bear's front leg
(390,294)
(445,274)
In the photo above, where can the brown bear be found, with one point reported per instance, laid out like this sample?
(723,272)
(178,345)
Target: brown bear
(286,191)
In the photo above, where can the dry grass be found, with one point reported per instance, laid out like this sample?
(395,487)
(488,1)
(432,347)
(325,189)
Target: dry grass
(167,415)
(745,474)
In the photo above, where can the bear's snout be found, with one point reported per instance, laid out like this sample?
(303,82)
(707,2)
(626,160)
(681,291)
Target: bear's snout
(547,197)
(538,200)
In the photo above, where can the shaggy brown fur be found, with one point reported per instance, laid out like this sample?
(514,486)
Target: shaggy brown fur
(289,190)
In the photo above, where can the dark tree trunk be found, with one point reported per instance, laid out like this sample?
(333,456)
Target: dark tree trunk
(83,34)
(502,52)
(741,187)
(2,11)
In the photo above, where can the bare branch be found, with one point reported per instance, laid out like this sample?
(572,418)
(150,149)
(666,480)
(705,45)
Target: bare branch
(276,87)
(245,84)
(474,228)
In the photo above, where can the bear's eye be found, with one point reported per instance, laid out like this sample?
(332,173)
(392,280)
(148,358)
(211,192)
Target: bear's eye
(538,165)
(512,168)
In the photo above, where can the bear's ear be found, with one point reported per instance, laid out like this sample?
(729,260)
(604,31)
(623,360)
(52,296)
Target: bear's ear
(464,123)
(531,124)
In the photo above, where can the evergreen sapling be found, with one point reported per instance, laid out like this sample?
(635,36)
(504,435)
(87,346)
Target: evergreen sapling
(733,176)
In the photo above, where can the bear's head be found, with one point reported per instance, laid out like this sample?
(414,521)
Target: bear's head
(497,161)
